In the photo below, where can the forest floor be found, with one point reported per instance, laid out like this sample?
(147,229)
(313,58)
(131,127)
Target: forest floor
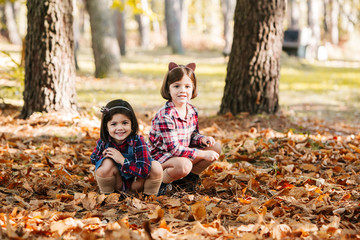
(279,177)
(291,175)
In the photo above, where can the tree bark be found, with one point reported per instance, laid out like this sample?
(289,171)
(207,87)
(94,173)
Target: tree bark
(173,25)
(253,72)
(49,58)
(104,43)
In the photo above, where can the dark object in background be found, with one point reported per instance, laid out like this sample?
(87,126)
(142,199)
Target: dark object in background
(297,42)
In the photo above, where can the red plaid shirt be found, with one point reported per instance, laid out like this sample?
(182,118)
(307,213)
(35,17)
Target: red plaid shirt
(172,136)
(138,166)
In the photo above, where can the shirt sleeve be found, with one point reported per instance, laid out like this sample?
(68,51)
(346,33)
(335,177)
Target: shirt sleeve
(141,165)
(97,153)
(167,128)
(196,136)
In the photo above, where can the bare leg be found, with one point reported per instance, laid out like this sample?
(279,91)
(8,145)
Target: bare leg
(176,168)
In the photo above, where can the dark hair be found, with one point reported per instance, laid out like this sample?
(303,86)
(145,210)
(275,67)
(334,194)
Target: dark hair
(112,108)
(174,75)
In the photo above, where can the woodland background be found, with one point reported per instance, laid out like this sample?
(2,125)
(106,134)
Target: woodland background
(293,174)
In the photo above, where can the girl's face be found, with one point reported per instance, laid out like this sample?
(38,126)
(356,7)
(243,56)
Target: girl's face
(119,127)
(181,91)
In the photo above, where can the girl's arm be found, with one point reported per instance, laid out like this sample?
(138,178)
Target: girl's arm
(141,165)
(197,139)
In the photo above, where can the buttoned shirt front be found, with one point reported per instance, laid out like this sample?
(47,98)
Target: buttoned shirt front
(173,136)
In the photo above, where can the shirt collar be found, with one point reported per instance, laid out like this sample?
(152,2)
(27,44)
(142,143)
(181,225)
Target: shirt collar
(189,108)
(129,141)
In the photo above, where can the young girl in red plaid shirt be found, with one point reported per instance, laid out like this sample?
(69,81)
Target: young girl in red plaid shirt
(121,156)
(174,138)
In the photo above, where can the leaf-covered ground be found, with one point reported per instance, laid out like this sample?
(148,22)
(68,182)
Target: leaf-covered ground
(276,179)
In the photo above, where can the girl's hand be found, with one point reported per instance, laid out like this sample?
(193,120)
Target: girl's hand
(210,155)
(207,141)
(114,154)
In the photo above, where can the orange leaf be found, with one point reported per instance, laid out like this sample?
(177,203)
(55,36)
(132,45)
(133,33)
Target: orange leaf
(164,225)
(346,197)
(198,210)
(356,149)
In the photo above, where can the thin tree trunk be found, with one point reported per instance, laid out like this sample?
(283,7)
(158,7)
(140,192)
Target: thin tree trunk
(144,25)
(104,43)
(49,61)
(334,30)
(253,72)
(228,8)
(294,14)
(11,25)
(173,25)
(119,19)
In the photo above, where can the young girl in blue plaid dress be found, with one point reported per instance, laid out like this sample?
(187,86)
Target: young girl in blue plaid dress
(121,157)
(174,138)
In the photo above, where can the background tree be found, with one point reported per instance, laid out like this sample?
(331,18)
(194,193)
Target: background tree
(294,11)
(103,37)
(10,31)
(119,23)
(253,71)
(49,58)
(173,10)
(228,7)
(143,20)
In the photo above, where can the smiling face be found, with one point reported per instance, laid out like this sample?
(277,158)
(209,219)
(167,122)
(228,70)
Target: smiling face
(181,91)
(119,127)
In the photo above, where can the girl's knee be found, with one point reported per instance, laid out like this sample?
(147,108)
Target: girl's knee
(183,168)
(216,147)
(156,170)
(107,168)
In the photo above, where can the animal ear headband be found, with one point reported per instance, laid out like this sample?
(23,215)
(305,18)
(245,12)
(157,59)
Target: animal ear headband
(173,65)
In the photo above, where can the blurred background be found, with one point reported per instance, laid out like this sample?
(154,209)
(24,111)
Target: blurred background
(320,63)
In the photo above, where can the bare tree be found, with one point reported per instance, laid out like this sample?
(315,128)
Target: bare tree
(253,71)
(49,58)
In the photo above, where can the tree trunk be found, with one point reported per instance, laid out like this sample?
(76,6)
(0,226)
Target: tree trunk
(294,14)
(144,25)
(334,30)
(104,43)
(119,19)
(173,26)
(228,7)
(313,19)
(49,58)
(12,28)
(253,71)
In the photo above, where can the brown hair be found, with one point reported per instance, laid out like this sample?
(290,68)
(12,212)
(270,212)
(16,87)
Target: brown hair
(112,108)
(176,73)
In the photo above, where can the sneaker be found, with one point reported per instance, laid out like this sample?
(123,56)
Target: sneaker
(164,188)
(189,183)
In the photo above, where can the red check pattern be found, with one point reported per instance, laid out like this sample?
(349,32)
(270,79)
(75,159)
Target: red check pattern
(171,136)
